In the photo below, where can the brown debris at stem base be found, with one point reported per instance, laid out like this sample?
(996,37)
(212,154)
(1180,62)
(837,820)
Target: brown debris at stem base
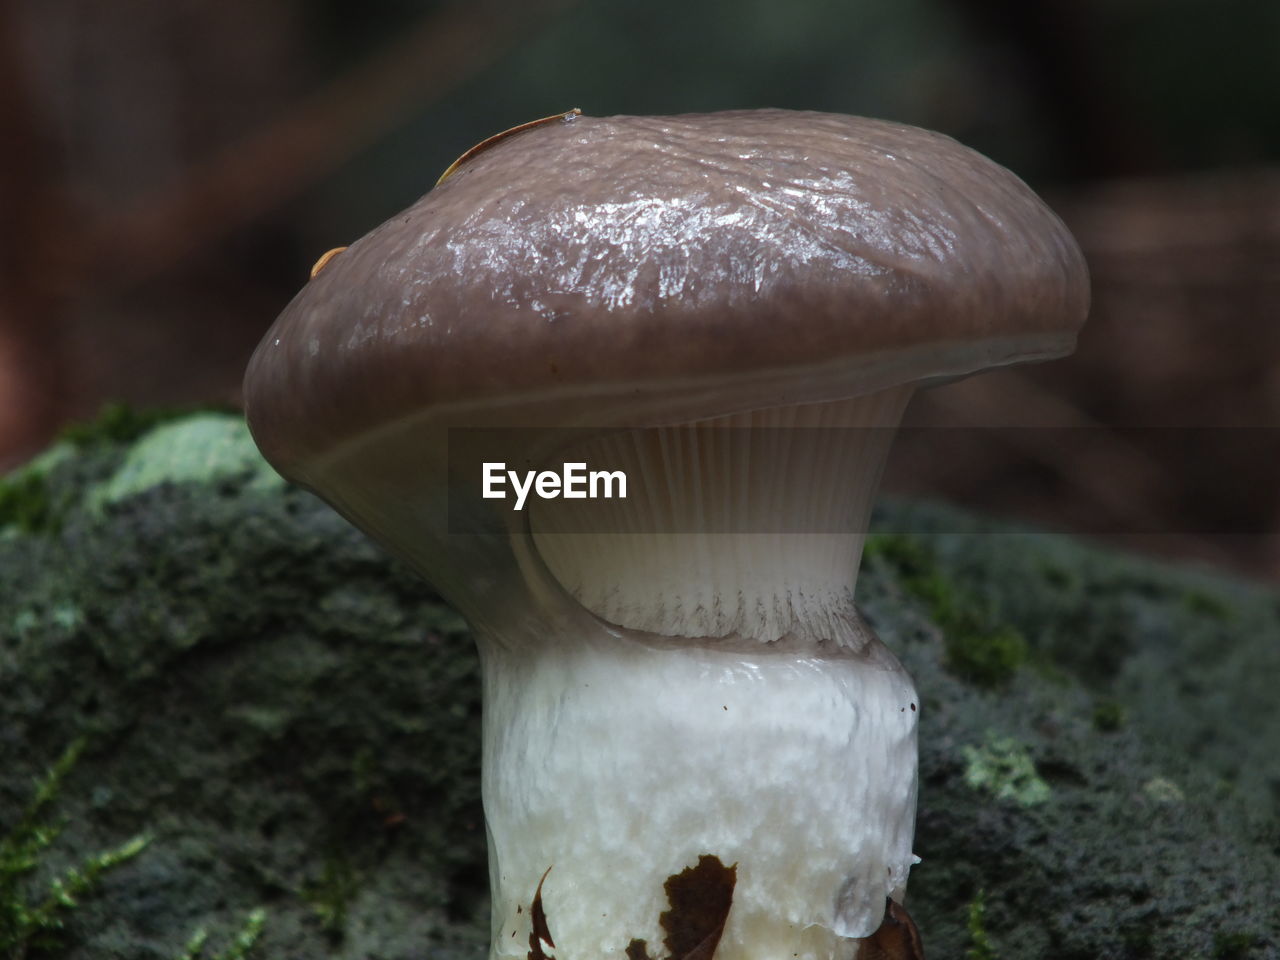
(540,933)
(897,938)
(700,898)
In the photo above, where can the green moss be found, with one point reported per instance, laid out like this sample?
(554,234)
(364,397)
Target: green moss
(119,423)
(241,945)
(25,503)
(910,556)
(346,868)
(1163,791)
(331,895)
(1233,946)
(31,922)
(1206,605)
(28,503)
(1002,768)
(979,942)
(978,650)
(1057,576)
(1108,716)
(986,657)
(1137,939)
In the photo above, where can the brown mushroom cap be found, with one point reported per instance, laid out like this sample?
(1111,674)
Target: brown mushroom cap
(640,270)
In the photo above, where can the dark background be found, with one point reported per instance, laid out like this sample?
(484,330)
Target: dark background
(169,170)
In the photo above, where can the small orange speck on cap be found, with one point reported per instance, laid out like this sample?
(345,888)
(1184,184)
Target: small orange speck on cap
(324,260)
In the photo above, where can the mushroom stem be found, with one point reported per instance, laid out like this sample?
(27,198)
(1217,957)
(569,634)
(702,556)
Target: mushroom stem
(618,763)
(725,700)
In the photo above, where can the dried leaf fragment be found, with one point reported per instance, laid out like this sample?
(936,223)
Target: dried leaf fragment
(540,933)
(490,141)
(700,899)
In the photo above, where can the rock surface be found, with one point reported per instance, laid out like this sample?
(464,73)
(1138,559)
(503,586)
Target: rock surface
(292,718)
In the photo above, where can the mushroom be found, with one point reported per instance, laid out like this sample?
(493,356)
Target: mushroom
(690,735)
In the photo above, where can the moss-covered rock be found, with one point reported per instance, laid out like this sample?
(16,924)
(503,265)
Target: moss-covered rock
(287,714)
(1118,796)
(291,718)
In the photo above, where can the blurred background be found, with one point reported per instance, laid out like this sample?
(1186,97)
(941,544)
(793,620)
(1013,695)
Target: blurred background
(170,169)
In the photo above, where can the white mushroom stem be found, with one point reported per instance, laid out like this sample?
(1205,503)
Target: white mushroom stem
(736,707)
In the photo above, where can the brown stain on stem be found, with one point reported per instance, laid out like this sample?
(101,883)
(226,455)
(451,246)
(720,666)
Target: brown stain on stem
(896,939)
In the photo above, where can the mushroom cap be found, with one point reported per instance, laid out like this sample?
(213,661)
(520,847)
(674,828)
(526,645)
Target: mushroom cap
(634,271)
